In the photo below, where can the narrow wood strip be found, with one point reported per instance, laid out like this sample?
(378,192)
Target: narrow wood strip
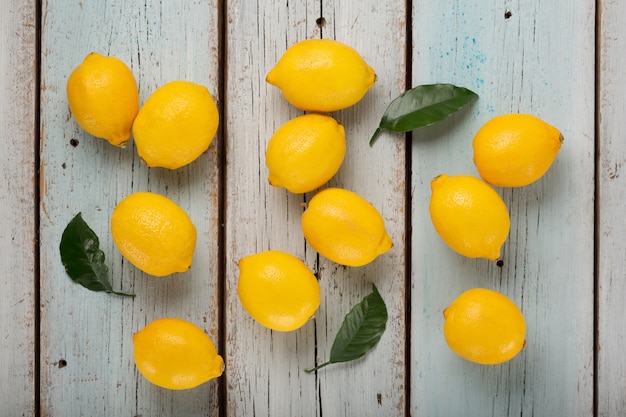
(611,223)
(18,234)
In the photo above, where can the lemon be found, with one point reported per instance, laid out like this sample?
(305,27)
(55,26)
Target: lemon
(304,153)
(344,227)
(513,150)
(484,326)
(278,290)
(469,215)
(153,233)
(103,98)
(175,125)
(321,75)
(176,354)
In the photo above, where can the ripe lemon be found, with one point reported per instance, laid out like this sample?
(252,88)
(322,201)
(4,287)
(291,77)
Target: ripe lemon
(321,75)
(469,215)
(304,153)
(278,290)
(176,124)
(513,150)
(344,227)
(153,233)
(176,354)
(103,98)
(484,326)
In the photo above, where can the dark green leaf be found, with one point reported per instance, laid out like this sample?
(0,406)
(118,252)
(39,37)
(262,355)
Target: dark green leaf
(360,331)
(422,106)
(83,259)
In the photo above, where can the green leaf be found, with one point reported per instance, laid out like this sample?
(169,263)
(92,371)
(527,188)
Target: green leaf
(83,259)
(422,106)
(360,331)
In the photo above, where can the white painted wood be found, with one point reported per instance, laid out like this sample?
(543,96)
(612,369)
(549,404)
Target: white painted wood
(265,368)
(535,57)
(87,353)
(611,222)
(18,238)
(374,385)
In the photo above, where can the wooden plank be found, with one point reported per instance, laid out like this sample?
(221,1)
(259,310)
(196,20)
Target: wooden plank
(87,353)
(265,368)
(611,224)
(18,234)
(375,385)
(519,58)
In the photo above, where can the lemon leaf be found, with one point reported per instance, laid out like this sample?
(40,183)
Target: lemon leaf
(360,331)
(82,258)
(423,105)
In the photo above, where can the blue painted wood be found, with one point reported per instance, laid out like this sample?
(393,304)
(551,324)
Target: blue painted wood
(534,56)
(86,347)
(531,57)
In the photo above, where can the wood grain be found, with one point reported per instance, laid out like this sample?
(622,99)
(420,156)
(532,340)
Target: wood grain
(610,202)
(258,217)
(18,234)
(87,351)
(534,56)
(519,58)
(265,369)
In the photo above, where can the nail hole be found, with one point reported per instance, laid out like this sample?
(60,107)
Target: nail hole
(500,263)
(62,363)
(320,21)
(74,142)
(507,14)
(63,165)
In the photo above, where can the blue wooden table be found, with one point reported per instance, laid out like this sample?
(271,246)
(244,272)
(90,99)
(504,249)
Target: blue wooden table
(66,351)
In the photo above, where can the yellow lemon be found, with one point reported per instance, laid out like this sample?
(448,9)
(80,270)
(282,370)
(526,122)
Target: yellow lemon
(176,354)
(321,75)
(175,125)
(484,326)
(278,290)
(344,227)
(304,153)
(103,98)
(469,215)
(513,150)
(153,233)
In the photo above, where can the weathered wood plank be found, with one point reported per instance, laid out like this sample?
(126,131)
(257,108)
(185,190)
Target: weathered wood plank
(265,369)
(533,57)
(18,236)
(87,353)
(611,224)
(528,61)
(375,385)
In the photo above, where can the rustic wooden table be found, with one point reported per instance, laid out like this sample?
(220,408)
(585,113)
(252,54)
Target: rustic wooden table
(66,351)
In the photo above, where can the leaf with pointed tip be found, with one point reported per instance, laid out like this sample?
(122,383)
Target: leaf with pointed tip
(423,105)
(82,258)
(360,331)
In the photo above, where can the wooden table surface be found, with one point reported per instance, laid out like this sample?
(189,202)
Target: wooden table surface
(66,351)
